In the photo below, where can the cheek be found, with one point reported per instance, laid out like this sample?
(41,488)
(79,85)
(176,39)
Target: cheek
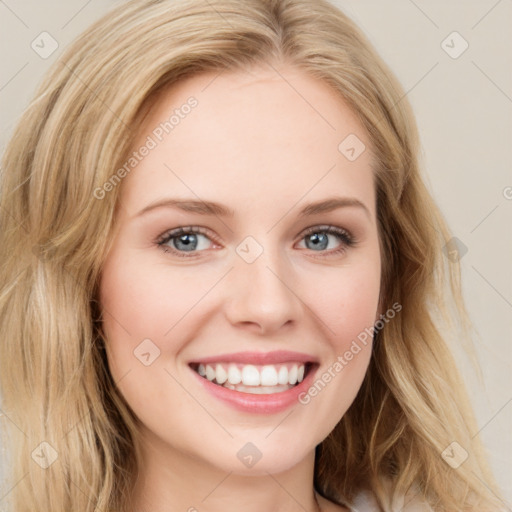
(146,301)
(143,306)
(347,306)
(347,303)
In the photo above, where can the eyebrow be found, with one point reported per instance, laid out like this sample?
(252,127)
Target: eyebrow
(203,207)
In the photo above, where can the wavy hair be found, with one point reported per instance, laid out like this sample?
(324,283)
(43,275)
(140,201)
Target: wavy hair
(59,400)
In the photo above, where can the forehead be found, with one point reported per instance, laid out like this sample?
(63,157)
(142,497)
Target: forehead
(252,137)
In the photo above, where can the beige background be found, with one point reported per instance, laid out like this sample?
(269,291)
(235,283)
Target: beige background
(464,112)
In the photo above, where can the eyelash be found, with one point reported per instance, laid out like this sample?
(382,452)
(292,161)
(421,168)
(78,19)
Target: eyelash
(346,239)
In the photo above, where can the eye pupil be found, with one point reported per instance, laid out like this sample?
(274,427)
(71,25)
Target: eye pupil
(189,242)
(319,240)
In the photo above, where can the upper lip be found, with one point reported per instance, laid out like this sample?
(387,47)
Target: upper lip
(258,358)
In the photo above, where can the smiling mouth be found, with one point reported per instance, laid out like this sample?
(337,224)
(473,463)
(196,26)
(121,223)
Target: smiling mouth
(254,379)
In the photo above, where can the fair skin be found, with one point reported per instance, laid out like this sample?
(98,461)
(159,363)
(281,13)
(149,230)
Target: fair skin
(256,146)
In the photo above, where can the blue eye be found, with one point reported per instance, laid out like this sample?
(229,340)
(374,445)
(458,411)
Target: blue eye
(188,241)
(320,238)
(184,240)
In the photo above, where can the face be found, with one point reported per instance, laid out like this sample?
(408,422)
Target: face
(247,239)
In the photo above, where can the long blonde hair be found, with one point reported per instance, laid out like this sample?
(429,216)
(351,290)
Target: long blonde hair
(54,235)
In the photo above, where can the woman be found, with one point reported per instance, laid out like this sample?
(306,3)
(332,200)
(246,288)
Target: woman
(223,282)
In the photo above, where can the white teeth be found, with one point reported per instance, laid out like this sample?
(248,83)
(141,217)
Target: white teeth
(270,375)
(250,375)
(220,374)
(210,372)
(234,374)
(292,375)
(282,377)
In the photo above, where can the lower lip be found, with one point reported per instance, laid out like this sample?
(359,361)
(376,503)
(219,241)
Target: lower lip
(260,404)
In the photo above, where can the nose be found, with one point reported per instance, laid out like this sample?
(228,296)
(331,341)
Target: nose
(261,296)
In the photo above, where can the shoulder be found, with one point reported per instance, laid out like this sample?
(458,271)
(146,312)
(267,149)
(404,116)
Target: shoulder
(365,501)
(330,506)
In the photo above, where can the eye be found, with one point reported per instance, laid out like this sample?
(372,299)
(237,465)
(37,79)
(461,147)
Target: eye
(322,238)
(184,240)
(188,241)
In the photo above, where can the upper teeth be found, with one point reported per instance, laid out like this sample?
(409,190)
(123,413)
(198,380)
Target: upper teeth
(251,375)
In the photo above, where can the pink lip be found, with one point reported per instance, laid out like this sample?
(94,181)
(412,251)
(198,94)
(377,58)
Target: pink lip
(258,358)
(260,404)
